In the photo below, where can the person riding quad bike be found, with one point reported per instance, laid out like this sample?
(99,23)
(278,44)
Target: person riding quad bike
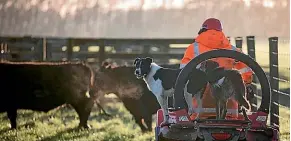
(210,37)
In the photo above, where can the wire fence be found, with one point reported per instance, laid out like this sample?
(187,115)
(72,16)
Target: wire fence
(275,62)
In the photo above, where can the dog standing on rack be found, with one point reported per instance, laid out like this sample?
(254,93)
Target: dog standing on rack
(230,83)
(161,81)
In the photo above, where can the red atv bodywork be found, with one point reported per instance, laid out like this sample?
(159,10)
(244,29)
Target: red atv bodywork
(258,127)
(252,127)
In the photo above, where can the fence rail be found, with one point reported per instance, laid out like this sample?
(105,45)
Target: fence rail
(56,49)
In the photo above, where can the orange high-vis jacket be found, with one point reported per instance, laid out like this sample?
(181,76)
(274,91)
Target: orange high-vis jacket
(212,40)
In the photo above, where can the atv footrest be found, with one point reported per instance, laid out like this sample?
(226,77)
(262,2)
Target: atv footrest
(219,126)
(186,125)
(222,124)
(219,121)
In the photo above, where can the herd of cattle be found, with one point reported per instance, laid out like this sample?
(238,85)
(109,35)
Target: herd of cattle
(43,86)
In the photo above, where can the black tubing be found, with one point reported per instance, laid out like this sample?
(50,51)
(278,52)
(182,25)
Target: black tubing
(179,101)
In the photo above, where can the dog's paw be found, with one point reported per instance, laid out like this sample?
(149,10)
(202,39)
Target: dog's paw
(190,111)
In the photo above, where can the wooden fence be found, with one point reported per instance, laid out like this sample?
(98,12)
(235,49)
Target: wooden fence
(97,50)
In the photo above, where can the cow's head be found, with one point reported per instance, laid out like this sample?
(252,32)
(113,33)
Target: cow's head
(118,80)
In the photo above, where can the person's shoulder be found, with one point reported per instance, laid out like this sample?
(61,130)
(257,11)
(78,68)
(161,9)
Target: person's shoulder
(191,45)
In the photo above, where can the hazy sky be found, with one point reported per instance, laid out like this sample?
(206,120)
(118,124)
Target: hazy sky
(142,18)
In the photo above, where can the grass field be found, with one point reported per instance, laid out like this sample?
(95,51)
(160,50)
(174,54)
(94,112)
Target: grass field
(59,125)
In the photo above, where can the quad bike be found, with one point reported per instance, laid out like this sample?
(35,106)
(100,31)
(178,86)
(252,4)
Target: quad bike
(252,127)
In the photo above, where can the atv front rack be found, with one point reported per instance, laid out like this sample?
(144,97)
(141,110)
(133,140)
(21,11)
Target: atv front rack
(212,122)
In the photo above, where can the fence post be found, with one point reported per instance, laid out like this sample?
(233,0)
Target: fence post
(2,44)
(39,48)
(69,49)
(48,42)
(238,42)
(251,46)
(44,49)
(252,53)
(274,73)
(101,51)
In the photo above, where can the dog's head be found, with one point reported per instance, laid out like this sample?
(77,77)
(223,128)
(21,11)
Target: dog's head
(209,65)
(142,66)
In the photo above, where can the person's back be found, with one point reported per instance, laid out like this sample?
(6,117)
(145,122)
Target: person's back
(212,40)
(210,37)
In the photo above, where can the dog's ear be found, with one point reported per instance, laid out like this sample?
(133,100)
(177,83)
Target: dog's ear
(105,64)
(210,65)
(148,59)
(215,64)
(108,67)
(136,60)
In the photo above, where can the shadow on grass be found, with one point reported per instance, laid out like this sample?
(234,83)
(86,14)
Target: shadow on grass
(59,134)
(79,133)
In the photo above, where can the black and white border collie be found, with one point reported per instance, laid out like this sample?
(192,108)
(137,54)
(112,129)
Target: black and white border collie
(161,81)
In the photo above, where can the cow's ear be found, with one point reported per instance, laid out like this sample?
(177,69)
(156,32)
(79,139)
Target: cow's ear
(136,60)
(148,59)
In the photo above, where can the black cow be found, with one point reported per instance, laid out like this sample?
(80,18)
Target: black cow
(44,86)
(134,94)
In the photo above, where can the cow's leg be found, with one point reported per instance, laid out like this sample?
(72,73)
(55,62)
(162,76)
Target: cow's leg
(102,110)
(85,113)
(83,109)
(138,120)
(12,115)
(98,102)
(148,121)
(146,115)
